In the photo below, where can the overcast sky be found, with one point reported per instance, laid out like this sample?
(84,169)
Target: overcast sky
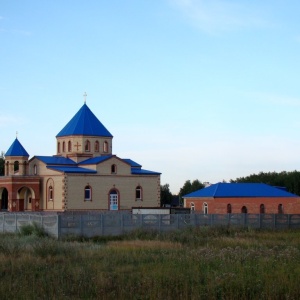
(194,89)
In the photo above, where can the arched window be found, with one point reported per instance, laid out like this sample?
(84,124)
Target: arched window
(113,169)
(262,209)
(244,210)
(96,146)
(138,193)
(105,146)
(229,208)
(50,193)
(87,146)
(58,147)
(69,146)
(280,208)
(192,206)
(7,168)
(35,169)
(16,166)
(87,193)
(205,208)
(64,147)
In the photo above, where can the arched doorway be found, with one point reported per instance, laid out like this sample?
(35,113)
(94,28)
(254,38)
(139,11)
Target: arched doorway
(25,196)
(113,200)
(4,199)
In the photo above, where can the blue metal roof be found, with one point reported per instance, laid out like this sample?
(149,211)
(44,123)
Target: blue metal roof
(56,160)
(132,163)
(143,172)
(16,149)
(72,169)
(84,123)
(95,160)
(231,190)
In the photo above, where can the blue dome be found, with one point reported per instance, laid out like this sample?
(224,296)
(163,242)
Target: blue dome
(84,123)
(16,149)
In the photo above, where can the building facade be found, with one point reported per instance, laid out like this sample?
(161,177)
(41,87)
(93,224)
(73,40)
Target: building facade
(223,198)
(84,174)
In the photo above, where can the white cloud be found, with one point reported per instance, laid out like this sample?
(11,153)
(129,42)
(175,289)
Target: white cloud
(213,16)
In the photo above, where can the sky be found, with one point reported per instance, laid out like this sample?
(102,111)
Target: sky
(194,89)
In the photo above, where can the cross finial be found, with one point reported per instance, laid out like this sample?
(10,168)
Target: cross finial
(16,134)
(84,95)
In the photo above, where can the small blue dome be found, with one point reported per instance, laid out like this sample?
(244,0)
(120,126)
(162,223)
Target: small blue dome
(16,149)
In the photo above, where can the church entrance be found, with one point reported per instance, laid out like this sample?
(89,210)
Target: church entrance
(113,200)
(25,196)
(4,199)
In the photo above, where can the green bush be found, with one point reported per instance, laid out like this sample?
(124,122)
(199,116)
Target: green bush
(32,229)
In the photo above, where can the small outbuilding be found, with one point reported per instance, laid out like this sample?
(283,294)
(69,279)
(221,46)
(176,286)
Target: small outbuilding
(223,198)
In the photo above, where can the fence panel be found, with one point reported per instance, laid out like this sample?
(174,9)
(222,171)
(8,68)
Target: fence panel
(105,223)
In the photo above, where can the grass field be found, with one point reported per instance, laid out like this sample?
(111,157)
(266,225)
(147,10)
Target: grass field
(196,263)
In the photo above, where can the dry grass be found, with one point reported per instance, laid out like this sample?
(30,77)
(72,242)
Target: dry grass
(198,263)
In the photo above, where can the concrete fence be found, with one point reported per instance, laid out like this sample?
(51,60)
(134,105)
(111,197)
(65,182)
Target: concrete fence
(97,224)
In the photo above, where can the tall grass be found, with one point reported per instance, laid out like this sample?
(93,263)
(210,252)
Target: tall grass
(196,263)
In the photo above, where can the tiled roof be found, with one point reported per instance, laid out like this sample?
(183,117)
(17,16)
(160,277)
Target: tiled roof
(16,149)
(56,160)
(95,160)
(132,163)
(65,169)
(143,172)
(84,123)
(231,190)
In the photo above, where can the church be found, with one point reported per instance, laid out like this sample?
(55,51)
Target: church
(84,174)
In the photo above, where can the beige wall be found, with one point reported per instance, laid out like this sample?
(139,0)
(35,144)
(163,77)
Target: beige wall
(101,186)
(80,141)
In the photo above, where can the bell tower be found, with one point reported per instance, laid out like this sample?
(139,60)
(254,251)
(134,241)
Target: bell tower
(16,160)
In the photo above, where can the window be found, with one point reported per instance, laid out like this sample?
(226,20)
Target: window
(262,209)
(87,146)
(192,206)
(138,193)
(35,169)
(58,147)
(280,209)
(87,193)
(69,146)
(105,146)
(96,146)
(244,210)
(50,193)
(16,166)
(205,208)
(229,208)
(113,169)
(64,147)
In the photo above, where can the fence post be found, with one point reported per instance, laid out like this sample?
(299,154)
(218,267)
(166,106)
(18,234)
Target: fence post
(81,225)
(122,223)
(58,219)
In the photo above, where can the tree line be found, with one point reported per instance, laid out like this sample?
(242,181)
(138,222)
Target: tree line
(289,180)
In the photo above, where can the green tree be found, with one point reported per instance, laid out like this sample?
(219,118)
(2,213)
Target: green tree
(289,180)
(2,164)
(190,187)
(165,195)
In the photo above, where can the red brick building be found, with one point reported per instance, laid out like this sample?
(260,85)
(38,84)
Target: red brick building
(222,198)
